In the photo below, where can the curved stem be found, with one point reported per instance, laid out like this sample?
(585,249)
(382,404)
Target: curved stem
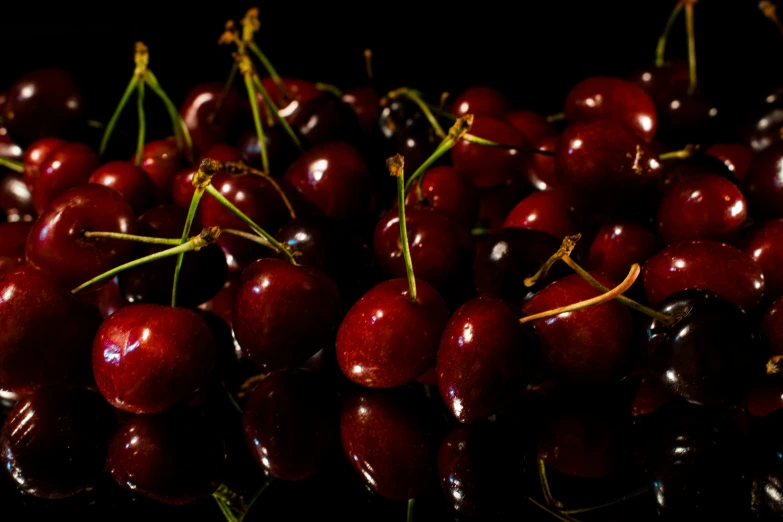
(116,116)
(660,50)
(396,166)
(16,166)
(180,129)
(456,133)
(368,64)
(194,201)
(415,98)
(411,504)
(227,87)
(691,45)
(237,167)
(231,398)
(545,490)
(556,514)
(687,152)
(269,68)
(271,107)
(567,246)
(607,296)
(142,122)
(629,496)
(247,235)
(489,143)
(251,92)
(328,87)
(131,237)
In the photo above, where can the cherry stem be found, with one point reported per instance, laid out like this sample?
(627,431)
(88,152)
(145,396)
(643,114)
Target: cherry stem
(414,96)
(489,143)
(556,514)
(547,492)
(560,116)
(636,493)
(691,45)
(769,9)
(251,92)
(685,153)
(480,231)
(232,75)
(456,132)
(206,237)
(231,505)
(660,49)
(775,365)
(396,166)
(328,87)
(142,122)
(180,129)
(567,246)
(606,296)
(270,105)
(269,68)
(116,116)
(16,166)
(411,505)
(247,235)
(258,493)
(239,168)
(230,396)
(131,237)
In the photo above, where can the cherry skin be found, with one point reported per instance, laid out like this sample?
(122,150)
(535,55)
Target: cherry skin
(485,358)
(602,97)
(148,358)
(496,202)
(686,118)
(326,118)
(657,81)
(32,306)
(366,106)
(415,143)
(13,237)
(481,101)
(546,210)
(56,242)
(737,157)
(65,167)
(531,124)
(701,207)
(34,156)
(291,421)
(446,190)
(54,441)
(541,169)
(175,458)
(694,166)
(284,313)
(772,328)
(161,160)
(297,92)
(388,442)
(619,244)
(589,346)
(280,149)
(490,166)
(44,102)
(386,340)
(764,183)
(132,183)
(704,264)
(207,127)
(764,243)
(15,198)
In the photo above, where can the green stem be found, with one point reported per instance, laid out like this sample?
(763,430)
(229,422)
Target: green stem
(116,116)
(16,166)
(396,168)
(442,149)
(258,493)
(227,87)
(273,108)
(489,143)
(691,45)
(250,223)
(660,50)
(180,129)
(560,116)
(231,398)
(251,92)
(142,122)
(558,515)
(131,237)
(629,496)
(547,492)
(194,201)
(269,69)
(247,235)
(414,96)
(328,87)
(411,503)
(677,154)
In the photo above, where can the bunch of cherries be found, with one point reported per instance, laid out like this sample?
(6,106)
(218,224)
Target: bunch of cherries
(311,301)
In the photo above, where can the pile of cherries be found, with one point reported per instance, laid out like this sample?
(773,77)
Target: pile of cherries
(281,334)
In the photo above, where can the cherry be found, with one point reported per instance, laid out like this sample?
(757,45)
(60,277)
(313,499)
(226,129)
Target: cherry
(707,265)
(657,80)
(534,126)
(588,346)
(161,160)
(223,152)
(602,97)
(617,245)
(449,192)
(701,207)
(44,102)
(132,183)
(284,313)
(695,165)
(764,183)
(206,125)
(66,166)
(485,358)
(57,244)
(148,358)
(107,298)
(280,149)
(650,396)
(606,164)
(547,210)
(481,101)
(176,458)
(32,306)
(222,304)
(398,114)
(772,328)
(366,106)
(388,442)
(291,421)
(735,156)
(34,156)
(182,187)
(297,92)
(686,118)
(202,275)
(15,198)
(385,339)
(508,257)
(334,177)
(490,166)
(764,243)
(541,169)
(54,441)
(326,118)
(708,355)
(415,143)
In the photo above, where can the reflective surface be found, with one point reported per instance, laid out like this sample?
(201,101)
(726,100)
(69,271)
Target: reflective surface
(764,243)
(66,166)
(481,101)
(547,211)
(449,192)
(617,245)
(133,184)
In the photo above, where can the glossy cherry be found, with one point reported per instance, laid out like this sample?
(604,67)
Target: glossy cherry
(56,242)
(415,143)
(34,156)
(132,183)
(772,328)
(176,458)
(449,192)
(366,105)
(764,183)
(547,210)
(541,168)
(707,265)
(658,80)
(206,125)
(617,245)
(54,441)
(32,306)
(284,313)
(735,156)
(481,101)
(148,358)
(534,126)
(386,340)
(291,421)
(66,166)
(161,160)
(297,92)
(15,198)
(326,118)
(764,243)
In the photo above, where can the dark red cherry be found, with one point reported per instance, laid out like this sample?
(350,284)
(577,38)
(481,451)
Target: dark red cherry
(531,124)
(735,156)
(541,168)
(415,143)
(547,210)
(619,244)
(441,249)
(485,358)
(107,298)
(366,105)
(772,328)
(54,441)
(589,346)
(701,207)
(764,243)
(15,198)
(650,396)
(34,156)
(704,264)
(481,101)
(176,458)
(602,97)
(222,304)
(32,307)
(161,160)
(449,192)
(326,118)
(388,442)
(57,244)
(386,340)
(297,92)
(696,165)
(508,257)
(708,355)
(148,358)
(764,183)
(280,149)
(398,114)
(334,177)
(65,167)
(207,126)
(44,102)
(284,313)
(202,275)
(490,166)
(133,184)
(686,118)
(605,164)
(291,421)
(13,237)
(657,80)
